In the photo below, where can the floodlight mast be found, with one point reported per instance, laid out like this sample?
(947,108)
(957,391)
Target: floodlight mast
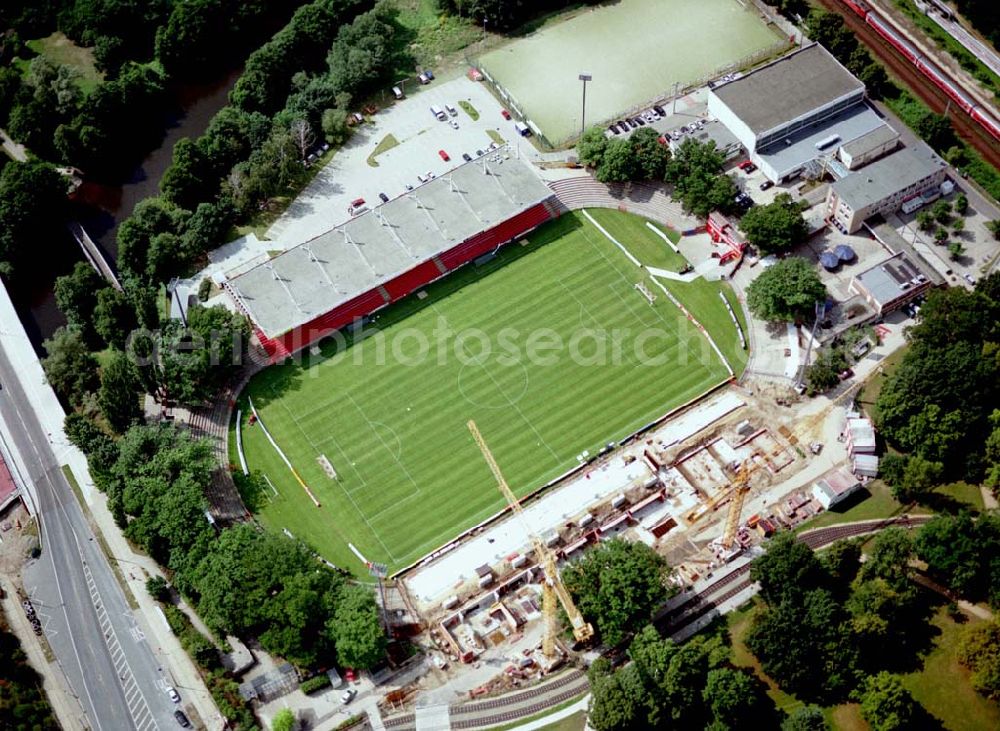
(553,587)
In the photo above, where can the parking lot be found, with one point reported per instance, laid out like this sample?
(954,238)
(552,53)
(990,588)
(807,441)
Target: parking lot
(350,174)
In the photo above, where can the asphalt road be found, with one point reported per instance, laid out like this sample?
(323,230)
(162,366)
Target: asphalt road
(92,631)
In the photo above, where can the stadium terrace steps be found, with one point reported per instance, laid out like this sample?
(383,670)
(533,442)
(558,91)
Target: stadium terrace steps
(651,201)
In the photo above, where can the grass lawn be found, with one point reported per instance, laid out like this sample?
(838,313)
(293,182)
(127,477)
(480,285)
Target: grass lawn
(469,109)
(941,685)
(429,34)
(389,412)
(700,297)
(576,722)
(61,50)
(386,144)
(635,49)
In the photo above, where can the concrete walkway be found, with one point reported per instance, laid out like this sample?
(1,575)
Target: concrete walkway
(581,705)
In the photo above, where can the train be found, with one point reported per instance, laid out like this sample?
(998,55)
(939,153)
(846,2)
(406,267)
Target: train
(928,68)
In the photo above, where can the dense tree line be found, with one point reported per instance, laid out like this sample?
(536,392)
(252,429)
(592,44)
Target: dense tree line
(617,585)
(939,403)
(639,156)
(667,685)
(503,15)
(243,581)
(832,629)
(23,704)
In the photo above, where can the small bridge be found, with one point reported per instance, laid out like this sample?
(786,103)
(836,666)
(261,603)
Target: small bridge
(94,255)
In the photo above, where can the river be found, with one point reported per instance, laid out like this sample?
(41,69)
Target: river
(105,206)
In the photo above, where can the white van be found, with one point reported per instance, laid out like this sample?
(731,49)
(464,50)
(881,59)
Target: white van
(438,113)
(522,129)
(451,110)
(397,92)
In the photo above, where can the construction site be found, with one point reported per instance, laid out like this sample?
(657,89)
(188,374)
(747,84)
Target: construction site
(702,487)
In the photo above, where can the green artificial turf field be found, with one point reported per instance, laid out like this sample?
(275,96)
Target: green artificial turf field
(389,412)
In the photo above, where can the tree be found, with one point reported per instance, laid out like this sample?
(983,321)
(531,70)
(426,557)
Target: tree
(119,394)
(925,221)
(805,718)
(336,131)
(889,558)
(356,628)
(69,366)
(114,317)
(958,225)
(821,376)
(955,249)
(591,146)
(803,644)
(651,155)
(303,136)
(994,228)
(788,567)
(961,204)
(785,291)
(775,227)
(918,479)
(737,700)
(936,130)
(188,179)
(979,651)
(886,704)
(76,297)
(695,172)
(617,586)
(284,720)
(842,561)
(618,162)
(612,707)
(33,210)
(941,211)
(941,235)
(951,548)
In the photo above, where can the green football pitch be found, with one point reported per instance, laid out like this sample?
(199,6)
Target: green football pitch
(550,347)
(636,50)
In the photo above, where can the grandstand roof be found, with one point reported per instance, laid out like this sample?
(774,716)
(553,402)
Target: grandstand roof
(373,248)
(791,87)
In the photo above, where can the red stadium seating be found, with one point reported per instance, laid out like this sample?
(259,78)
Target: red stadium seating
(489,240)
(305,335)
(412,280)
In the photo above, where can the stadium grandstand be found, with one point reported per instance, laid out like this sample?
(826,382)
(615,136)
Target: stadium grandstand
(384,254)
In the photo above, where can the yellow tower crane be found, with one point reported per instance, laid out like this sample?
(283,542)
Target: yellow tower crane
(741,483)
(553,587)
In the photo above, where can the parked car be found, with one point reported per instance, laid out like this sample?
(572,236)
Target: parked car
(479,153)
(454,124)
(429,74)
(348,695)
(467,157)
(969,278)
(505,113)
(173,695)
(383,197)
(422,178)
(766,184)
(613,128)
(182,719)
(444,155)
(659,110)
(640,121)
(845,374)
(408,186)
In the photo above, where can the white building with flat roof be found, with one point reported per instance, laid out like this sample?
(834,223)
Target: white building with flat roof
(882,187)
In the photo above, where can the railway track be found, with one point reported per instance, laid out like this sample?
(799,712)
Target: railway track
(708,599)
(900,67)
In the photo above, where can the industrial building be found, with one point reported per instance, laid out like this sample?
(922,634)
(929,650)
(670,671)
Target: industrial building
(890,285)
(795,114)
(885,186)
(869,147)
